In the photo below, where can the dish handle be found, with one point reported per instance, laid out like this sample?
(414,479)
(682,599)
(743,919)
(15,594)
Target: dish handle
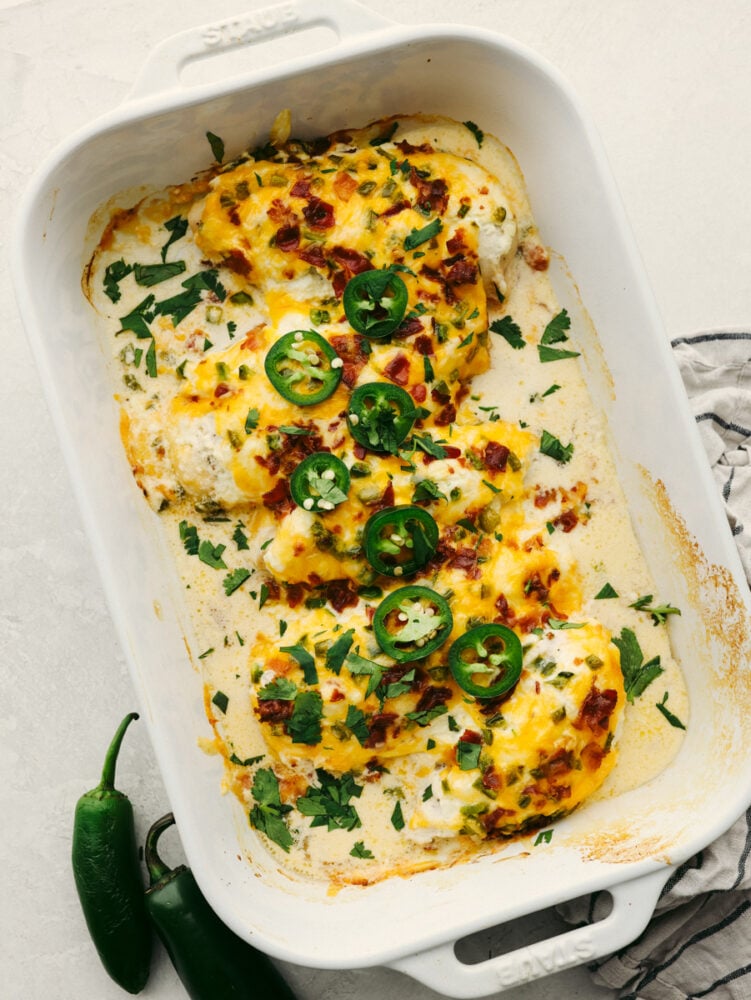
(163,67)
(633,906)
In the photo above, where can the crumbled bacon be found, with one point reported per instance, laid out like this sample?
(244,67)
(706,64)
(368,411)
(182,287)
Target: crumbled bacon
(445,416)
(596,709)
(275,710)
(495,456)
(295,592)
(281,213)
(456,244)
(341,594)
(386,499)
(470,736)
(567,520)
(319,214)
(395,209)
(313,254)
(536,256)
(410,326)
(432,195)
(407,148)
(278,498)
(287,238)
(378,725)
(424,344)
(345,185)
(398,369)
(352,349)
(301,188)
(463,272)
(221,390)
(592,756)
(419,392)
(466,559)
(432,697)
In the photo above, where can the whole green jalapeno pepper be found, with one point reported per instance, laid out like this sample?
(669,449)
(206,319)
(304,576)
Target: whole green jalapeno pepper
(108,876)
(212,962)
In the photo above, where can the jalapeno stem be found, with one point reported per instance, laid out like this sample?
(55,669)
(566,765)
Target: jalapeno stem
(156,867)
(107,782)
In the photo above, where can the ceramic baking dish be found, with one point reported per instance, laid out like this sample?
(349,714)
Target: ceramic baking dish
(356,67)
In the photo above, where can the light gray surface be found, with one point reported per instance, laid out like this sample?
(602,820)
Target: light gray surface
(668,85)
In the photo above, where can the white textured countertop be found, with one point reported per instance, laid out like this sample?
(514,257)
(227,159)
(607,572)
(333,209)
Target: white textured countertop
(668,83)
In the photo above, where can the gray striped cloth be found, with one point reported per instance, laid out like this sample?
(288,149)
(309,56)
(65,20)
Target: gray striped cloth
(698,944)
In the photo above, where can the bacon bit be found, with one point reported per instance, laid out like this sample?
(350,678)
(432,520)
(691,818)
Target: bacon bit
(359,452)
(534,585)
(495,456)
(407,147)
(273,588)
(281,213)
(395,209)
(592,756)
(491,819)
(337,695)
(313,255)
(344,185)
(596,710)
(398,369)
(439,395)
(542,499)
(445,416)
(351,348)
(253,339)
(456,244)
(352,261)
(409,327)
(294,594)
(301,188)
(431,194)
(221,390)
(341,594)
(464,272)
(424,345)
(419,392)
(319,214)
(278,498)
(386,499)
(275,710)
(559,763)
(236,261)
(470,736)
(558,792)
(270,462)
(432,697)
(536,256)
(234,216)
(466,559)
(505,610)
(287,238)
(567,520)
(491,778)
(378,724)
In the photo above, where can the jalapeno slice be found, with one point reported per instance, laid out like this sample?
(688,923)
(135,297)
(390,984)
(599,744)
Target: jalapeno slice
(412,622)
(375,303)
(320,482)
(380,416)
(303,367)
(486,661)
(399,541)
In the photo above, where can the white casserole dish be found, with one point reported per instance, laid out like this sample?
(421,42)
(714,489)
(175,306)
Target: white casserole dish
(373,68)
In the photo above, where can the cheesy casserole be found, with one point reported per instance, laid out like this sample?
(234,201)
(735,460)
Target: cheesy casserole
(348,393)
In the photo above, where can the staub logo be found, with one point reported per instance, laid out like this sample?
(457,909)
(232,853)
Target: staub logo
(525,965)
(269,21)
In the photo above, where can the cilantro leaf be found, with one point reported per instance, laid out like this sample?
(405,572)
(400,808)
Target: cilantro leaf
(546,353)
(113,275)
(337,652)
(427,491)
(153,274)
(606,593)
(555,331)
(468,755)
(357,725)
(397,817)
(217,146)
(221,701)
(329,802)
(304,725)
(419,236)
(359,666)
(637,675)
(476,132)
(235,579)
(429,445)
(510,332)
(268,813)
(361,851)
(211,554)
(305,660)
(551,446)
(674,721)
(189,538)
(659,613)
(239,537)
(281,688)
(177,227)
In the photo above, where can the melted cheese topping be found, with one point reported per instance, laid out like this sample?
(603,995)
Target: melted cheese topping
(356,765)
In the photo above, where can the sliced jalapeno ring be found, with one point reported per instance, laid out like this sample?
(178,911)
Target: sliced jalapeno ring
(412,622)
(380,416)
(486,661)
(375,303)
(320,482)
(399,541)
(303,367)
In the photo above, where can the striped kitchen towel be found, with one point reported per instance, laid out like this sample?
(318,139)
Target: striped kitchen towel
(698,944)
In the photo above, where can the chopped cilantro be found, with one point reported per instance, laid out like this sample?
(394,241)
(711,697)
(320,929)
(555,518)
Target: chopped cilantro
(177,227)
(510,332)
(329,802)
(189,538)
(211,554)
(239,537)
(468,755)
(551,446)
(281,688)
(637,675)
(674,721)
(543,837)
(221,701)
(153,274)
(304,725)
(606,593)
(659,613)
(361,851)
(217,146)
(418,236)
(305,660)
(268,813)
(113,275)
(356,724)
(476,132)
(397,817)
(235,579)
(337,652)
